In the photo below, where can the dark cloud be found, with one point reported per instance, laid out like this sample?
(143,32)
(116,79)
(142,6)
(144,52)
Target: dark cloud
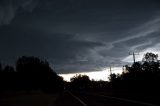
(9,9)
(58,48)
(77,35)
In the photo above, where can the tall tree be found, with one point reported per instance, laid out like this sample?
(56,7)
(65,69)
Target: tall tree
(150,57)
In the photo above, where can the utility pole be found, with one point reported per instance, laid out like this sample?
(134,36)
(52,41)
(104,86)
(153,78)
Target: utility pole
(123,68)
(110,70)
(134,60)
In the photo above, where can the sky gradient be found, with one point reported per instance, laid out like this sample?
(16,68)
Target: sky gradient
(79,35)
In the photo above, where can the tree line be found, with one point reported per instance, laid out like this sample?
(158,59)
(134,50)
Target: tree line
(30,73)
(142,76)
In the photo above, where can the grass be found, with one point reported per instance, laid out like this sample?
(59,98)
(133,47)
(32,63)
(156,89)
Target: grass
(25,98)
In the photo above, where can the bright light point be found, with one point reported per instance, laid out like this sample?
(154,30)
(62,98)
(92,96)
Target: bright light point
(95,75)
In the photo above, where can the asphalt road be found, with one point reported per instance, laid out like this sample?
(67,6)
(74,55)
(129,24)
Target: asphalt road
(67,99)
(84,99)
(100,100)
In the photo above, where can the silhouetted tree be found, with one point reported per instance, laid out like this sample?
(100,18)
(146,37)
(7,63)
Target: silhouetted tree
(0,67)
(8,69)
(36,73)
(80,82)
(100,85)
(140,76)
(7,77)
(150,57)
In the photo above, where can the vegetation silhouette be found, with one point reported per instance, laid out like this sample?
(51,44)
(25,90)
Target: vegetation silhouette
(80,82)
(31,73)
(140,79)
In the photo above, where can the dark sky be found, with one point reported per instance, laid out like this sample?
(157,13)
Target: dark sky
(78,35)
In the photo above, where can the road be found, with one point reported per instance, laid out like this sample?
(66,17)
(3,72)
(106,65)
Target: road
(68,99)
(83,99)
(101,100)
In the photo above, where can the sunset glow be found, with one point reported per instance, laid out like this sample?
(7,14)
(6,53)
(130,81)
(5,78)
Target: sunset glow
(95,75)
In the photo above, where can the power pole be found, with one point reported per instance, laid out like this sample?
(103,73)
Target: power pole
(134,60)
(123,68)
(110,70)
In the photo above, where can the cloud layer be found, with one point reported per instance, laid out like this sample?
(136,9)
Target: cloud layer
(10,8)
(78,35)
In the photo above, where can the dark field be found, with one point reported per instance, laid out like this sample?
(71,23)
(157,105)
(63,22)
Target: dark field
(27,98)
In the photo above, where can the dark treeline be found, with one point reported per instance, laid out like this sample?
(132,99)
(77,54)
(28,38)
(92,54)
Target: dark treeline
(143,76)
(80,82)
(141,81)
(30,73)
(83,83)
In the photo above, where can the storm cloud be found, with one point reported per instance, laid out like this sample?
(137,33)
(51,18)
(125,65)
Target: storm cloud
(78,35)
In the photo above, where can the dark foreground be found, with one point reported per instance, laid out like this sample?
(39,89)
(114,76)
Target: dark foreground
(65,98)
(27,98)
(88,99)
(102,100)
